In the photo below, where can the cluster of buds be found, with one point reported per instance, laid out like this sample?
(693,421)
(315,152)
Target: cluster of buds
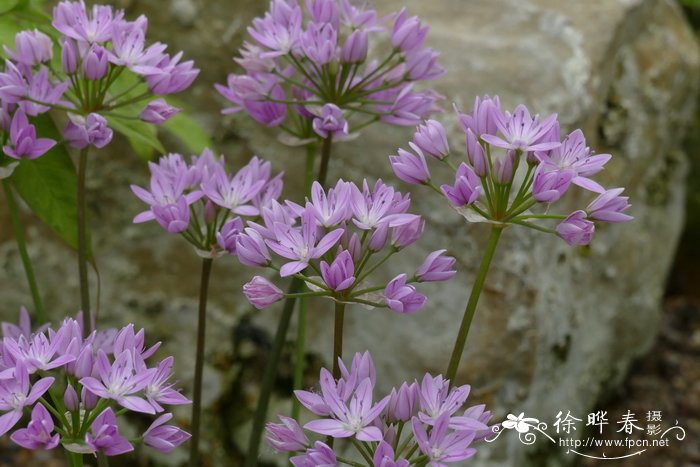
(307,73)
(76,388)
(203,203)
(105,66)
(335,242)
(420,423)
(486,186)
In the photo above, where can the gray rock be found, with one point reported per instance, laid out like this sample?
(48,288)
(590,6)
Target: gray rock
(556,327)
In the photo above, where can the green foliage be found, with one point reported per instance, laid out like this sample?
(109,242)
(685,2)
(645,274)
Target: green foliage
(48,185)
(691,3)
(187,130)
(142,136)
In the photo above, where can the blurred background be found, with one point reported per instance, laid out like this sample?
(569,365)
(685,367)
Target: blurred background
(612,327)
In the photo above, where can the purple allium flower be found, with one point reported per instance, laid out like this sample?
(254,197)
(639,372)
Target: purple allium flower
(332,208)
(467,188)
(286,436)
(39,88)
(170,76)
(227,237)
(353,419)
(403,403)
(476,155)
(32,48)
(384,457)
(475,418)
(81,132)
(324,11)
(175,218)
(236,193)
(576,229)
(16,394)
(486,112)
(160,391)
(437,399)
(403,297)
(14,331)
(13,85)
(164,438)
(408,34)
(104,435)
(440,446)
(95,63)
(573,154)
(382,204)
(362,367)
(318,456)
(355,48)
(319,43)
(23,140)
(129,50)
(330,122)
(301,245)
(436,267)
(340,274)
(74,21)
(407,234)
(550,186)
(158,112)
(69,56)
(503,168)
(522,131)
(422,65)
(262,293)
(38,352)
(251,249)
(432,139)
(610,207)
(119,381)
(410,168)
(37,435)
(70,399)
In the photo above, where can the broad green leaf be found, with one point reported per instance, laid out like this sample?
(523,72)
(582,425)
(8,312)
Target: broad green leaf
(142,136)
(7,5)
(189,131)
(48,185)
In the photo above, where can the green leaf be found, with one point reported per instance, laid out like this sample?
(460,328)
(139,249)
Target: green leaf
(7,5)
(142,136)
(189,131)
(48,185)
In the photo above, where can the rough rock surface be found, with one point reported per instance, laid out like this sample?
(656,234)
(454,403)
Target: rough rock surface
(556,327)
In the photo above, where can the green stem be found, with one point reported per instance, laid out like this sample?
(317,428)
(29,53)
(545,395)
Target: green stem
(22,247)
(270,375)
(301,354)
(74,459)
(325,159)
(338,337)
(83,243)
(199,362)
(102,460)
(471,304)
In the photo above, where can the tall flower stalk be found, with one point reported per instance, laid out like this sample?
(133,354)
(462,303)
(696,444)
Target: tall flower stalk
(105,71)
(199,361)
(20,239)
(309,72)
(206,205)
(500,146)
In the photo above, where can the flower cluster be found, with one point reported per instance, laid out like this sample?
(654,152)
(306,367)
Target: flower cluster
(77,388)
(498,143)
(417,424)
(309,72)
(203,203)
(105,65)
(339,235)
